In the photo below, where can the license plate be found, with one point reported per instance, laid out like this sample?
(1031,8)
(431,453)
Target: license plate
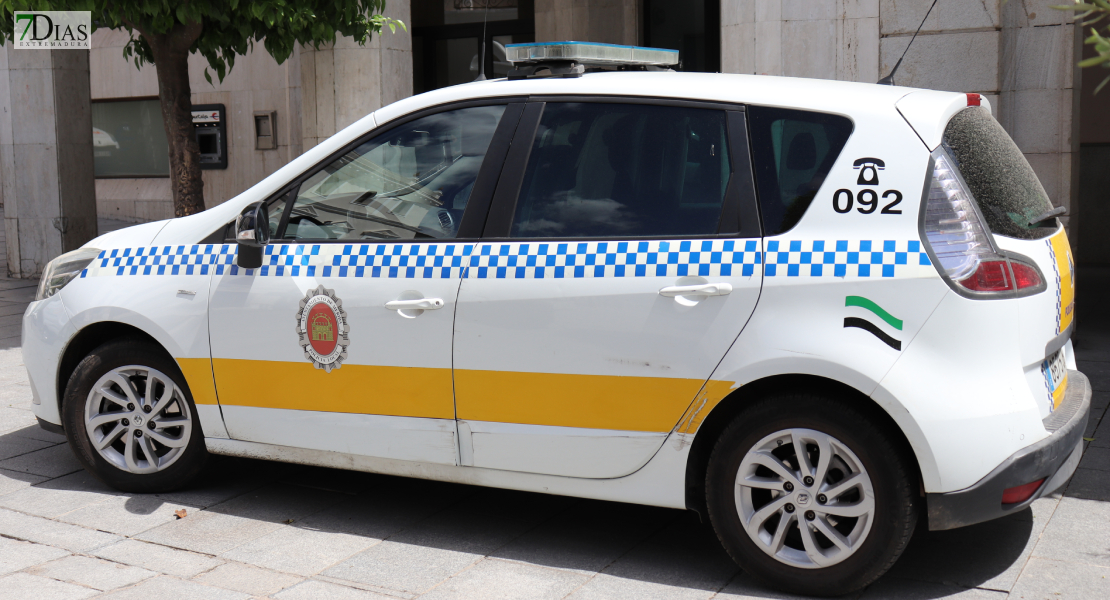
(1055,376)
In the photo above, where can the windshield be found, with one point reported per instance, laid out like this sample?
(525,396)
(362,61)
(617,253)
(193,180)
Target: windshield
(1003,184)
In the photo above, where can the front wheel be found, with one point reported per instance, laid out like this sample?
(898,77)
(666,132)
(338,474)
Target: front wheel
(810,495)
(130,419)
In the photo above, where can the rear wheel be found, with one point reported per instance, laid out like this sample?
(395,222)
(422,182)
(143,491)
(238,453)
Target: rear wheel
(808,494)
(130,419)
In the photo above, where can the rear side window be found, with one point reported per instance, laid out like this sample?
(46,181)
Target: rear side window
(1000,179)
(624,170)
(792,152)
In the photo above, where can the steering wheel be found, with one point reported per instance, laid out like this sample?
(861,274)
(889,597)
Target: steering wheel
(298,218)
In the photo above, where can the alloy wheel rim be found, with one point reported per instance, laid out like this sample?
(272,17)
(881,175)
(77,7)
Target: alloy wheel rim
(137,419)
(804,498)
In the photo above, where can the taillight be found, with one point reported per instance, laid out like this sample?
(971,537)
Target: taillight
(963,246)
(1025,276)
(990,276)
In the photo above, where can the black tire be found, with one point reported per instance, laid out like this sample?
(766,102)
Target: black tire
(113,355)
(893,479)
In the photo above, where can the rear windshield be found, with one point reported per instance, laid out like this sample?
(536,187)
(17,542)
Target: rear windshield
(1008,192)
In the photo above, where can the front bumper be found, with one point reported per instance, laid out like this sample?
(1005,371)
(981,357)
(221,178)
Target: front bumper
(1054,458)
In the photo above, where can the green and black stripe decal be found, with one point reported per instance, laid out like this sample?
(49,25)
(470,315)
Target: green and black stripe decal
(870,327)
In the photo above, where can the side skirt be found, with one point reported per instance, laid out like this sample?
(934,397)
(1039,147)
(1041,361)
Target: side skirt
(661,482)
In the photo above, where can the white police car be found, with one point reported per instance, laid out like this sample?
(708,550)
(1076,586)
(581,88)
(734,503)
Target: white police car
(815,311)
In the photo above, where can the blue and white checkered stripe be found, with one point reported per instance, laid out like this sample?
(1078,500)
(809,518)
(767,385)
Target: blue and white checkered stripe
(844,258)
(557,260)
(531,260)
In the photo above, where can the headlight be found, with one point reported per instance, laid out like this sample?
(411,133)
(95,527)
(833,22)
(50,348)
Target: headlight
(63,269)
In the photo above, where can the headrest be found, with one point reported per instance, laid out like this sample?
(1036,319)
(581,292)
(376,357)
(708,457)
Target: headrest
(802,155)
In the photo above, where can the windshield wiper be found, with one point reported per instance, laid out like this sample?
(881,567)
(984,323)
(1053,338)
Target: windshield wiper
(1059,210)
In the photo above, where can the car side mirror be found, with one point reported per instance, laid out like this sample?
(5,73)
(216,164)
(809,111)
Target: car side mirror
(252,233)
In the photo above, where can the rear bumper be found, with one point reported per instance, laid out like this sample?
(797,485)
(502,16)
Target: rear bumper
(1053,458)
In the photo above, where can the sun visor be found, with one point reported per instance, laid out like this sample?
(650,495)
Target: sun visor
(928,112)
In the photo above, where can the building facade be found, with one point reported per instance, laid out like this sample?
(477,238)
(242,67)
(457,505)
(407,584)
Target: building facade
(1020,54)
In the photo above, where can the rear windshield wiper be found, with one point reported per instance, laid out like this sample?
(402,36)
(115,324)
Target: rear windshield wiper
(1059,210)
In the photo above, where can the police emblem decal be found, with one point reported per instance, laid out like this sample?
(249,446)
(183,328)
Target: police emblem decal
(322,328)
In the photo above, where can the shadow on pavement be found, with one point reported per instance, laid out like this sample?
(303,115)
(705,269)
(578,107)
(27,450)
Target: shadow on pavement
(441,522)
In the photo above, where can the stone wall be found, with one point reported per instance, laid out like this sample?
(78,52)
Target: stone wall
(607,21)
(46,156)
(822,39)
(1020,54)
(315,93)
(344,82)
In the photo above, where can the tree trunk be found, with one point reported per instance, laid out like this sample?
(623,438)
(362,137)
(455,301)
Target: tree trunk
(171,60)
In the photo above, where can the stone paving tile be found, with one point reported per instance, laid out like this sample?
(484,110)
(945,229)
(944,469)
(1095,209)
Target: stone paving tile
(37,433)
(1096,458)
(403,567)
(1079,532)
(893,588)
(125,515)
(224,478)
(12,446)
(247,579)
(588,537)
(208,532)
(685,558)
(494,579)
(1090,484)
(745,587)
(54,461)
(170,561)
(988,555)
(16,555)
(13,481)
(608,587)
(59,496)
(382,513)
(1096,371)
(52,533)
(322,590)
(13,419)
(335,480)
(170,588)
(21,586)
(279,503)
(91,572)
(1059,580)
(298,550)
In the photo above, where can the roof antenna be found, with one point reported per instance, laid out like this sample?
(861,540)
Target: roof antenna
(482,65)
(889,79)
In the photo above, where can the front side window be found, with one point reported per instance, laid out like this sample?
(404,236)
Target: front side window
(412,182)
(624,170)
(792,152)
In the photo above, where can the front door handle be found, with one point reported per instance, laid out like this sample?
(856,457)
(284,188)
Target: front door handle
(704,289)
(418,304)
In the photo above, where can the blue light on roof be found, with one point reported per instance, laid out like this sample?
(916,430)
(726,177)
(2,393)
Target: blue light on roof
(590,53)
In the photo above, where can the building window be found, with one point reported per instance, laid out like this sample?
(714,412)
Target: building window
(447,39)
(693,28)
(129,139)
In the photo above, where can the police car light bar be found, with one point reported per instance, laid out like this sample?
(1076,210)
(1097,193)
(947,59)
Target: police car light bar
(590,53)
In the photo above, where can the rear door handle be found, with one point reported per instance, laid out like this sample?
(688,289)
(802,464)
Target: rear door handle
(418,304)
(704,289)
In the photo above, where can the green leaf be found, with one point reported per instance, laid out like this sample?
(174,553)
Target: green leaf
(1101,85)
(1089,439)
(1094,60)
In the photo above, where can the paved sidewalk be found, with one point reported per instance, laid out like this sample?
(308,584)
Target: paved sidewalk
(256,529)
